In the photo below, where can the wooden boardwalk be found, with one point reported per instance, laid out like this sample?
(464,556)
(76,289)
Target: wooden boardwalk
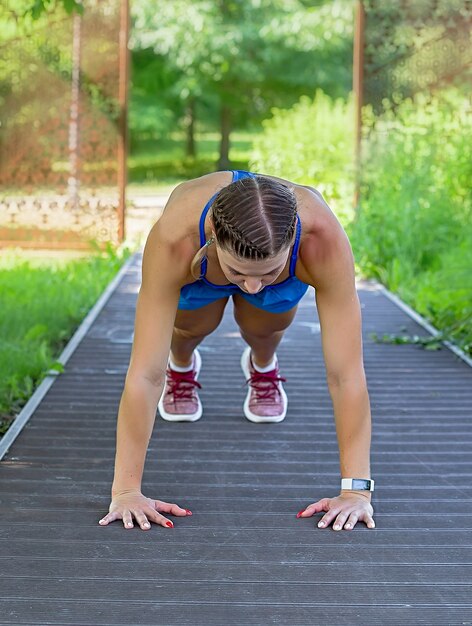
(243,559)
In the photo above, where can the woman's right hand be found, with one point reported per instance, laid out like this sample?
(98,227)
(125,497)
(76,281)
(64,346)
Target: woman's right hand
(127,505)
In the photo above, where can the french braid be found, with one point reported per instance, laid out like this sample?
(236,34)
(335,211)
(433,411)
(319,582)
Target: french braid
(254,218)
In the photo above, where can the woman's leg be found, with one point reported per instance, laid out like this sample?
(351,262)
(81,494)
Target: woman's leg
(180,401)
(262,330)
(266,400)
(191,327)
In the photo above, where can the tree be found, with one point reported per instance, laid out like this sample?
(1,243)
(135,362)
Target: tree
(248,55)
(36,8)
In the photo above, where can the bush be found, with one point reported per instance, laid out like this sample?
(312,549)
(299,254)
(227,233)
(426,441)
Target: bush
(444,295)
(414,230)
(311,144)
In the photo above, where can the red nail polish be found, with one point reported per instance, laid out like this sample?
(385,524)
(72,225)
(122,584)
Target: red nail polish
(300,512)
(188,512)
(170,524)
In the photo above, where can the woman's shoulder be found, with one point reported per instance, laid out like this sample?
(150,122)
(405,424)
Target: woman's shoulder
(324,244)
(177,229)
(188,199)
(202,188)
(181,214)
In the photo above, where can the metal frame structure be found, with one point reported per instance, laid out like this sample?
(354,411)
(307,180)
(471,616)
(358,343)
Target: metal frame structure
(436,53)
(64,140)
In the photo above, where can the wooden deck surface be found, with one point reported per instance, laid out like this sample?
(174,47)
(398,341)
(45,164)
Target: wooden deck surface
(243,559)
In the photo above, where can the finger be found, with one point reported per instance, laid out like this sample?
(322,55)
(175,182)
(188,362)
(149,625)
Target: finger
(339,522)
(127,519)
(171,508)
(326,520)
(153,516)
(159,519)
(351,522)
(368,519)
(110,517)
(142,520)
(316,507)
(163,521)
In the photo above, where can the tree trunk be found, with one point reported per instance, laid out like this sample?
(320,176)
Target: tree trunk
(225,129)
(190,150)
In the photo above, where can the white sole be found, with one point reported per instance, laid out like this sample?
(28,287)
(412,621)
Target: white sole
(172,417)
(252,417)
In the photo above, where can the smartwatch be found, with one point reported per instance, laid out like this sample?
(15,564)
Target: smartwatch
(357,484)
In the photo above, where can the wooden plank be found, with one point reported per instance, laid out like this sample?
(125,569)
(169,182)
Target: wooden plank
(80,613)
(215,572)
(182,552)
(154,590)
(247,535)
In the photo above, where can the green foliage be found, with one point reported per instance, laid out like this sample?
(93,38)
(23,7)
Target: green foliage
(37,8)
(414,231)
(37,49)
(163,159)
(153,107)
(42,304)
(249,55)
(428,342)
(413,47)
(444,295)
(312,144)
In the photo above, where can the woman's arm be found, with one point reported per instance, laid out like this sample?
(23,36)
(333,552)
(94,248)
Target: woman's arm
(164,270)
(340,321)
(155,313)
(328,262)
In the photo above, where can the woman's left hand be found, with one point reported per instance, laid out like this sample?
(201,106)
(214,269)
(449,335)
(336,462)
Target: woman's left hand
(346,510)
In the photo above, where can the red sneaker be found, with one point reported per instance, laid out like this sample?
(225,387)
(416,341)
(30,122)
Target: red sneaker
(179,401)
(266,400)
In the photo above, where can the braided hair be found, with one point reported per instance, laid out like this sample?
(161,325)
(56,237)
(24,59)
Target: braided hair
(254,218)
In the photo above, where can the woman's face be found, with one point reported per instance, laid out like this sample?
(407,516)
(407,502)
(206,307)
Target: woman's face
(251,276)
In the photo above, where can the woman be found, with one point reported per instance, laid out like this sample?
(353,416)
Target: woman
(261,240)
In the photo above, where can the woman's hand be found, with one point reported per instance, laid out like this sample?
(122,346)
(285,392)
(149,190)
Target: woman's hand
(346,510)
(127,505)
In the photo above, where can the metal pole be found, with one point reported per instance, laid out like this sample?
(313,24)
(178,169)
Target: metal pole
(74,113)
(358,88)
(123,115)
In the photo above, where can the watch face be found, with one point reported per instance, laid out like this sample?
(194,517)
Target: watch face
(360,484)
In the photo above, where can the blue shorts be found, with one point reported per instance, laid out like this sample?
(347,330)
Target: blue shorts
(273,298)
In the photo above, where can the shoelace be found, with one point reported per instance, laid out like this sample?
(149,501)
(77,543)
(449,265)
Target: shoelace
(265,384)
(182,384)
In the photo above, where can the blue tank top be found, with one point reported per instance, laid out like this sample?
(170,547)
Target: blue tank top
(237,175)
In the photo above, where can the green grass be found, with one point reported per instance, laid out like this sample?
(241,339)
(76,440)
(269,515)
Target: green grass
(43,300)
(159,163)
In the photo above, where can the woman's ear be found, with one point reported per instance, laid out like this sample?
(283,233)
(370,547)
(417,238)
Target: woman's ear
(212,226)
